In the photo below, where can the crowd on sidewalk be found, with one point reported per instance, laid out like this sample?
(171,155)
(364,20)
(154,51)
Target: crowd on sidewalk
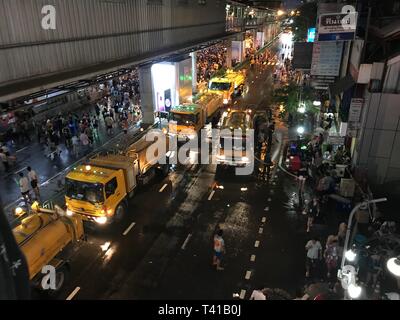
(79,131)
(209,61)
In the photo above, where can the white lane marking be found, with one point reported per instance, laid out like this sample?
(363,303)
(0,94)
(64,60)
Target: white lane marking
(163,187)
(257,244)
(253,258)
(248,275)
(260,231)
(20,150)
(264,219)
(129,228)
(186,241)
(73,293)
(211,195)
(242,294)
(266,209)
(269,199)
(20,170)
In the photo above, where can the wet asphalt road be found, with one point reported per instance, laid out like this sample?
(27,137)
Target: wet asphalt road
(162,249)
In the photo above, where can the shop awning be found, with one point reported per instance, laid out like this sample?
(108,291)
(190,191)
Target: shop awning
(341,85)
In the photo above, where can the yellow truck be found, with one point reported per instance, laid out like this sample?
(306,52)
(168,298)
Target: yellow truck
(99,190)
(188,119)
(46,238)
(235,150)
(229,86)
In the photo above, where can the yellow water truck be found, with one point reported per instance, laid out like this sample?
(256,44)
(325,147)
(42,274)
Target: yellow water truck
(228,86)
(99,190)
(47,238)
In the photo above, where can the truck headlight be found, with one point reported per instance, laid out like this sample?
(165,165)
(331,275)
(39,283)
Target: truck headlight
(69,213)
(226,101)
(101,220)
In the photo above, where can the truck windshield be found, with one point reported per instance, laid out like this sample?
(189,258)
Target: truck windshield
(84,191)
(184,119)
(221,86)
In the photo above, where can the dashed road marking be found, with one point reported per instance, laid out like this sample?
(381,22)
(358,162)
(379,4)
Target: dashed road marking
(73,293)
(163,188)
(20,170)
(129,228)
(253,258)
(260,231)
(257,244)
(242,294)
(248,275)
(266,209)
(269,199)
(20,150)
(211,195)
(186,241)
(264,219)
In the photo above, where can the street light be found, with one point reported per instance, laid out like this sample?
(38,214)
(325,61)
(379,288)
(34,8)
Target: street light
(300,130)
(317,103)
(347,273)
(280,12)
(393,266)
(350,255)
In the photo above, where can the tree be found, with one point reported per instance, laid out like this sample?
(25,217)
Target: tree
(305,20)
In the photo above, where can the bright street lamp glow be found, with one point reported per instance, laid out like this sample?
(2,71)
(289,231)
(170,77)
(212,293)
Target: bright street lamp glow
(350,255)
(354,291)
(291,21)
(301,109)
(393,266)
(300,130)
(280,12)
(317,103)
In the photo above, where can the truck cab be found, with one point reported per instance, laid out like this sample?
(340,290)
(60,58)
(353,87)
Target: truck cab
(186,121)
(235,150)
(94,192)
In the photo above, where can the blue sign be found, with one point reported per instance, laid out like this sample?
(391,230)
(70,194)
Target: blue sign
(311,35)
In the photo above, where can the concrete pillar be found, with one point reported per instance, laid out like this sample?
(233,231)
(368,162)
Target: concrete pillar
(146,94)
(194,72)
(228,62)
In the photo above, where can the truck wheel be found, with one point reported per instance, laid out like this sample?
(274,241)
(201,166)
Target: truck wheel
(119,212)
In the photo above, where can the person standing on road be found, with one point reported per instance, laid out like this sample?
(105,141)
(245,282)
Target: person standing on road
(4,159)
(109,124)
(331,255)
(314,250)
(23,184)
(34,182)
(219,249)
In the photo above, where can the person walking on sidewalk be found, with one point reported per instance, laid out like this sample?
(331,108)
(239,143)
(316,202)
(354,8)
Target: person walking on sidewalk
(4,159)
(23,184)
(75,146)
(314,250)
(313,212)
(34,179)
(109,124)
(219,249)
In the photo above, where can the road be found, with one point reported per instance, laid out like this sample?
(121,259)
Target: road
(163,246)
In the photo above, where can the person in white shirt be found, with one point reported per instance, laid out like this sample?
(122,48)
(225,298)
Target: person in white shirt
(75,145)
(259,294)
(314,253)
(24,187)
(34,182)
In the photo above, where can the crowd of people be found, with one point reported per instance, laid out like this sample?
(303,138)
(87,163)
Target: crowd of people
(209,61)
(78,131)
